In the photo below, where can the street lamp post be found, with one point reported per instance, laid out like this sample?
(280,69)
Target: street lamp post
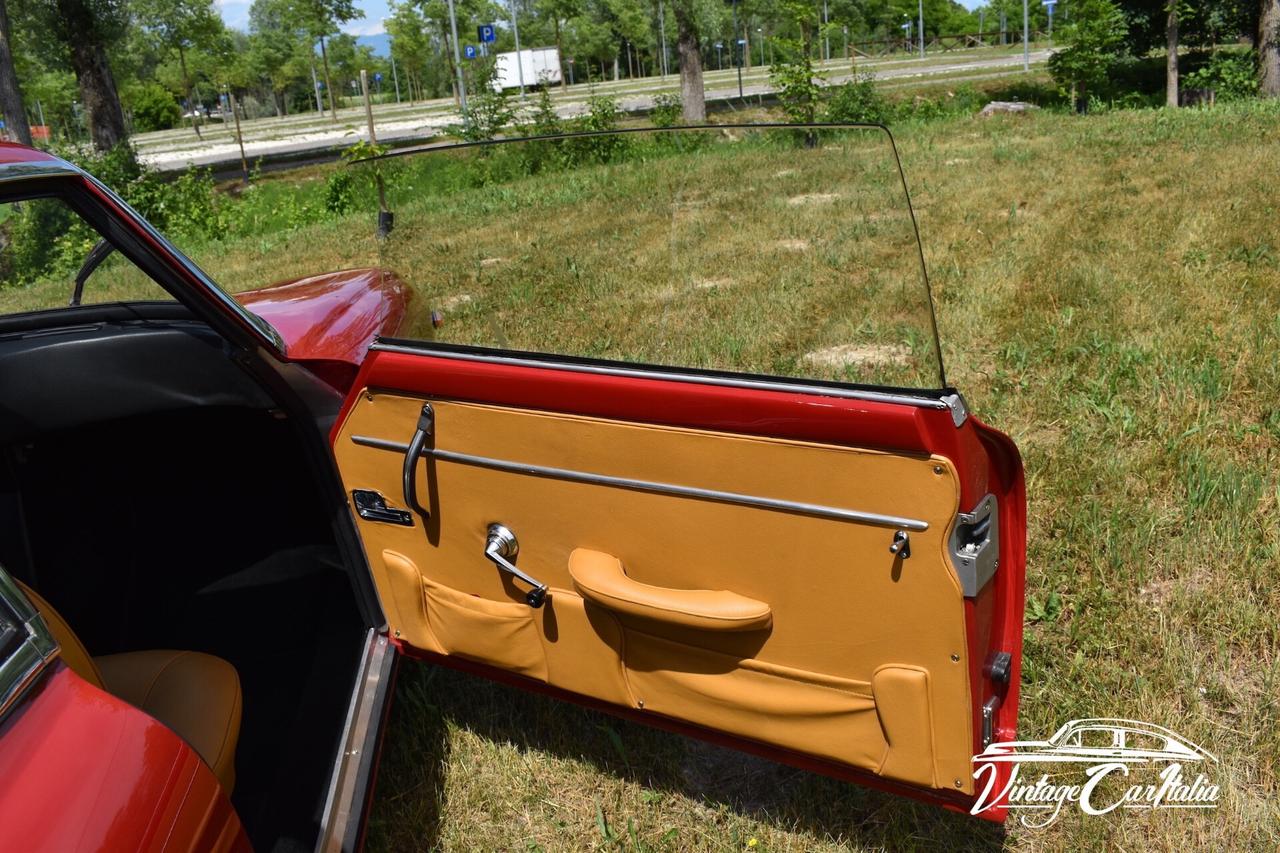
(921,27)
(760,33)
(662,34)
(1026,37)
(740,44)
(457,61)
(515,29)
(826,37)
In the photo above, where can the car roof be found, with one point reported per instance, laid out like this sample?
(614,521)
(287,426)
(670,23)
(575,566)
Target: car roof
(1142,726)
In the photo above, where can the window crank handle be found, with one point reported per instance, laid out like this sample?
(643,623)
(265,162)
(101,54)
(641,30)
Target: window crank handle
(501,547)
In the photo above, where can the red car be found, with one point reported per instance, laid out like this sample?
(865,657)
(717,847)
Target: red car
(228,518)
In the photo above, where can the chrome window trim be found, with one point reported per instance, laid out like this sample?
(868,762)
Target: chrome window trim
(12,172)
(951,402)
(671,489)
(36,651)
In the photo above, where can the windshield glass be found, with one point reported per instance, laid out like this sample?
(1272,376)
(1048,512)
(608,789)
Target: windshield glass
(789,252)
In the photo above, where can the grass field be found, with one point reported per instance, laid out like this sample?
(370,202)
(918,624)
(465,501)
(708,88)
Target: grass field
(1108,293)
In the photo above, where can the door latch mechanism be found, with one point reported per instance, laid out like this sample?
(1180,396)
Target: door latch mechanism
(501,547)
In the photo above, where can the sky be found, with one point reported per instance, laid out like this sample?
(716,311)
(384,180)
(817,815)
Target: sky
(236,14)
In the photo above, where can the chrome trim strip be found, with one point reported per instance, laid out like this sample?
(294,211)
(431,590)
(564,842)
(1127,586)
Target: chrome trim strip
(817,510)
(343,807)
(692,378)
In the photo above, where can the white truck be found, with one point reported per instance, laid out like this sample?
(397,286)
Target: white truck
(538,65)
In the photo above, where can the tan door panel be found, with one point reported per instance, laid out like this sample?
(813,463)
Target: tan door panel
(839,648)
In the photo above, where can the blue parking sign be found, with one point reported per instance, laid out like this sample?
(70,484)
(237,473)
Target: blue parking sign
(377,76)
(470,51)
(487,33)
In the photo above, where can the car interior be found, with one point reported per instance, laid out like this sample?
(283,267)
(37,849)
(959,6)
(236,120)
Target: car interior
(162,511)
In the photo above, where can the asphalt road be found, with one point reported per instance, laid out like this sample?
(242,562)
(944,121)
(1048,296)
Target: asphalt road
(308,137)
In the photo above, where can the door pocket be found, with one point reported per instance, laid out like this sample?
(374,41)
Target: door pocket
(498,633)
(809,712)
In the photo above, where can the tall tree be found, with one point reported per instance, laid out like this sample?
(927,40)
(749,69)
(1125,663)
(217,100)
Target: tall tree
(275,52)
(322,19)
(1171,60)
(86,27)
(692,94)
(1269,48)
(181,25)
(15,114)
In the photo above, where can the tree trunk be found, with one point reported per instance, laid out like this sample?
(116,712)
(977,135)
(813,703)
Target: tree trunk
(328,81)
(1171,63)
(15,114)
(692,95)
(1269,48)
(93,74)
(564,78)
(186,86)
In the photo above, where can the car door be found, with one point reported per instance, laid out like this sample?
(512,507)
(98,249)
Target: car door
(827,573)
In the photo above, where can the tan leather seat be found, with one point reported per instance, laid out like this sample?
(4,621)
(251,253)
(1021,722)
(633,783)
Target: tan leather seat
(194,694)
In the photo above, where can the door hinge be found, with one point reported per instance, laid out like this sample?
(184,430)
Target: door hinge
(975,545)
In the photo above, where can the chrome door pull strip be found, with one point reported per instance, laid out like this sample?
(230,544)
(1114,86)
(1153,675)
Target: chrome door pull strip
(816,510)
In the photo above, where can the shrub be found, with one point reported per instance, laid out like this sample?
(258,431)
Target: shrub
(1094,42)
(799,85)
(857,101)
(1232,74)
(539,156)
(667,110)
(339,192)
(153,108)
(602,115)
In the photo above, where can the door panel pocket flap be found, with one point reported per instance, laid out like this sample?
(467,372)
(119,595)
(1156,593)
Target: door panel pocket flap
(498,633)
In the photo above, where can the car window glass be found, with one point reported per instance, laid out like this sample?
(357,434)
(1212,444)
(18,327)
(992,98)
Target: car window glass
(1097,738)
(1144,741)
(43,245)
(787,252)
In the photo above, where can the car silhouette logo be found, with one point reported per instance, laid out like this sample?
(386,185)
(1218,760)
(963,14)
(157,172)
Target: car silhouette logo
(1101,740)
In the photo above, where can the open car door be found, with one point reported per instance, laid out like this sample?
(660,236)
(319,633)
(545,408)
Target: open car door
(790,537)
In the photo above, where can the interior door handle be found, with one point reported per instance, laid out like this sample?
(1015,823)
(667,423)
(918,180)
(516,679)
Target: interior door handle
(501,547)
(601,579)
(409,476)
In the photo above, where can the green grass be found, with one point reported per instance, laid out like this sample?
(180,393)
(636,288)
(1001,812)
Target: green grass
(1108,292)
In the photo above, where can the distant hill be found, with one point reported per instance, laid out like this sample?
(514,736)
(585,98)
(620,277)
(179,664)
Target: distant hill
(381,43)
